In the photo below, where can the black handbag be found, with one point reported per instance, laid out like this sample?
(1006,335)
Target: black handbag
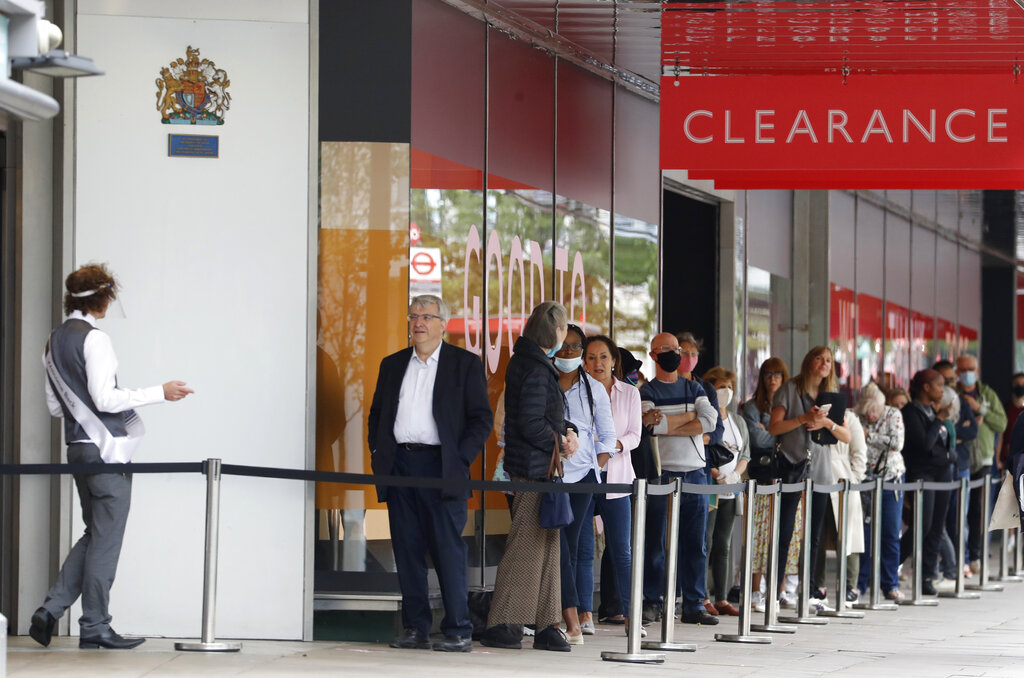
(555,509)
(645,465)
(718,455)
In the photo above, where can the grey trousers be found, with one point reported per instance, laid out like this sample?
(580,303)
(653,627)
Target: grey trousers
(91,565)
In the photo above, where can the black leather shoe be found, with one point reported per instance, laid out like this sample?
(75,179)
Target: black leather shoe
(42,627)
(110,640)
(411,639)
(698,617)
(651,612)
(551,638)
(505,636)
(928,588)
(454,644)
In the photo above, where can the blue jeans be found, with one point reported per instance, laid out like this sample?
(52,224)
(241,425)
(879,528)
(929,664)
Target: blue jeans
(616,514)
(889,560)
(692,558)
(573,558)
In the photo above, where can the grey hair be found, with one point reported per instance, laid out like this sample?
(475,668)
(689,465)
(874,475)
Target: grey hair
(544,322)
(951,399)
(688,338)
(426,299)
(871,400)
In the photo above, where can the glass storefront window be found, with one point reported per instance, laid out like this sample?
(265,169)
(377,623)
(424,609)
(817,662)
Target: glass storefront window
(869,340)
(842,332)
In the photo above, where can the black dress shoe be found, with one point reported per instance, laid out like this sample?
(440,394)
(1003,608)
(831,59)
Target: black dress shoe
(411,639)
(505,636)
(551,638)
(651,611)
(928,588)
(698,617)
(42,627)
(454,644)
(109,639)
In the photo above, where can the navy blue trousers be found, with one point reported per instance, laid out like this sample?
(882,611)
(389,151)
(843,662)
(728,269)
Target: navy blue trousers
(421,523)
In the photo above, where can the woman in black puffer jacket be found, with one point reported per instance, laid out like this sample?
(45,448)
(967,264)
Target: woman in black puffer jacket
(527,589)
(929,456)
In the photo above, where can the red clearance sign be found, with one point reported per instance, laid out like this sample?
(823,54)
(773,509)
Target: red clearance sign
(877,131)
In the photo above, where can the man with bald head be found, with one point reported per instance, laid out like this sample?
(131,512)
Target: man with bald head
(680,414)
(991,417)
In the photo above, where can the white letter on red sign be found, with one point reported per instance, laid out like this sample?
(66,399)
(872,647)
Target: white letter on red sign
(472,249)
(876,119)
(949,125)
(686,127)
(561,268)
(515,258)
(837,120)
(802,128)
(992,124)
(577,274)
(929,133)
(760,124)
(729,139)
(536,265)
(493,352)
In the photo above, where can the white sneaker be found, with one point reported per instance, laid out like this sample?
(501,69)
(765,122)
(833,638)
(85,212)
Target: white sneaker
(820,605)
(643,631)
(527,631)
(757,601)
(788,600)
(945,585)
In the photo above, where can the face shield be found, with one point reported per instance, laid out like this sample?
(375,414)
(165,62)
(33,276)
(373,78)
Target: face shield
(115,309)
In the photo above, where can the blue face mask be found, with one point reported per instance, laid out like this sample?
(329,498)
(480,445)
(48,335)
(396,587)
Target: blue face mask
(969,378)
(552,352)
(568,364)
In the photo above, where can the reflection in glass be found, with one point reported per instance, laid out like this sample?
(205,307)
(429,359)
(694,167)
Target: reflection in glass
(582,264)
(636,285)
(842,333)
(869,340)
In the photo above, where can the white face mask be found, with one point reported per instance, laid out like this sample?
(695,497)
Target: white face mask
(724,396)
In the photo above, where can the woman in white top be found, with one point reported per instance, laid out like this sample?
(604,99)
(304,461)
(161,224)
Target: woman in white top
(723,509)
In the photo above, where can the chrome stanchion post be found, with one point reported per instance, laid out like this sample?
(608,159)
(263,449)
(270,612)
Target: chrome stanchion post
(742,634)
(986,515)
(1004,559)
(771,614)
(918,556)
(875,593)
(632,653)
(668,617)
(804,615)
(841,526)
(961,557)
(208,642)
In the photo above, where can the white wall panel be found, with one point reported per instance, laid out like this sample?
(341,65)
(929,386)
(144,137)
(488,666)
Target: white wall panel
(212,255)
(769,231)
(841,209)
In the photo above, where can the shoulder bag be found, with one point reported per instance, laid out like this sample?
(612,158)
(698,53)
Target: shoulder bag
(555,510)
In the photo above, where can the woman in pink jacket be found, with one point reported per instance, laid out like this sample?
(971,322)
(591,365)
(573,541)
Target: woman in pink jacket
(601,360)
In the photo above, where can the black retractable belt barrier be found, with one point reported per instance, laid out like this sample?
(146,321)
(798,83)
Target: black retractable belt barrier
(804,615)
(842,525)
(743,634)
(775,551)
(875,592)
(633,654)
(962,495)
(986,515)
(668,617)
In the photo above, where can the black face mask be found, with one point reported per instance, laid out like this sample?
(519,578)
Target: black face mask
(1018,390)
(669,361)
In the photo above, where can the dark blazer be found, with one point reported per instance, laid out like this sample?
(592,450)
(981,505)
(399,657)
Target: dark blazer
(927,457)
(462,413)
(534,411)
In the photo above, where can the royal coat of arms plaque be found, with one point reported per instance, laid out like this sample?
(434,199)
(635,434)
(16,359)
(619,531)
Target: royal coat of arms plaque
(192,92)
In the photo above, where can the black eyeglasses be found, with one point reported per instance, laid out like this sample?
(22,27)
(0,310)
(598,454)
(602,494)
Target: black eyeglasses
(572,347)
(772,375)
(413,317)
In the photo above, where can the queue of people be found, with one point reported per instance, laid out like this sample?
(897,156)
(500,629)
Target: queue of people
(575,409)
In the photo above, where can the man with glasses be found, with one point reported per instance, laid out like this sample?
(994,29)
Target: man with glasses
(682,415)
(430,418)
(991,417)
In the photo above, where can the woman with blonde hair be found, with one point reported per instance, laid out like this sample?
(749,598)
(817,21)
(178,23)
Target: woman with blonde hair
(795,415)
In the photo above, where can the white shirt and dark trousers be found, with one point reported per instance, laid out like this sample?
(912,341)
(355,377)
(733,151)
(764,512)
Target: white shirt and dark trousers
(85,359)
(429,419)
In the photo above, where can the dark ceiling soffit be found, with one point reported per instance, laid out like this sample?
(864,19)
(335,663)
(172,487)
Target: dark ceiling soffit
(521,28)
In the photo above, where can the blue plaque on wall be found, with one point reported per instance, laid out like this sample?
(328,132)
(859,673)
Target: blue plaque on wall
(193,146)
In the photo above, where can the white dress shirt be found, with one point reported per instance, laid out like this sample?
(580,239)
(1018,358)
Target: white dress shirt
(101,375)
(414,420)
